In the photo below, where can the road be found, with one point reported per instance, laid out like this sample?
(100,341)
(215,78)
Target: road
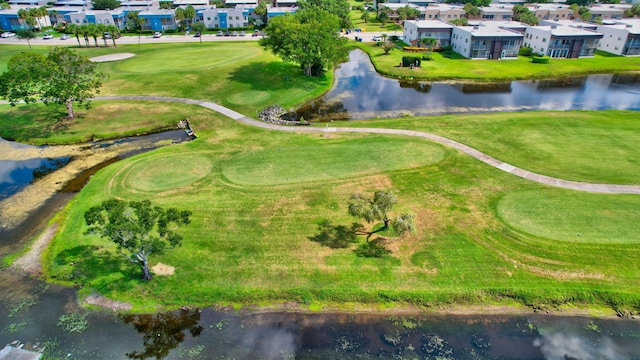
(149,39)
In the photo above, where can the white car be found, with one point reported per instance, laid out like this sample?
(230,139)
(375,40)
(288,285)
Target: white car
(47,37)
(64,36)
(376,38)
(157,34)
(7,35)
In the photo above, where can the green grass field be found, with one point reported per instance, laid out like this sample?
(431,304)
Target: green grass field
(588,146)
(483,236)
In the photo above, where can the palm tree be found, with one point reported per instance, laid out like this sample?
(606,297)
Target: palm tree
(190,13)
(430,43)
(102,29)
(84,31)
(27,17)
(114,31)
(75,30)
(179,15)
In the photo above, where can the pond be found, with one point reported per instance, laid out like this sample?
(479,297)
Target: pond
(361,93)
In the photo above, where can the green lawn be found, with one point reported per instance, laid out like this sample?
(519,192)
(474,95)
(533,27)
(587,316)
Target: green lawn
(483,236)
(458,68)
(589,146)
(257,198)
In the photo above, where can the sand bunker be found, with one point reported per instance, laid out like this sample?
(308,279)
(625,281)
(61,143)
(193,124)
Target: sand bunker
(112,57)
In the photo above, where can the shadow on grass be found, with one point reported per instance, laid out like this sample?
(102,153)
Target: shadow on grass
(92,265)
(342,237)
(275,76)
(33,121)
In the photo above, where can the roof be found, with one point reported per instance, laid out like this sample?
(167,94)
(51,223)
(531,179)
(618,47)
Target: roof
(430,24)
(567,31)
(632,28)
(489,30)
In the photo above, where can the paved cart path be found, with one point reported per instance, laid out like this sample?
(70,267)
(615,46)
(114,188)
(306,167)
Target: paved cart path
(542,179)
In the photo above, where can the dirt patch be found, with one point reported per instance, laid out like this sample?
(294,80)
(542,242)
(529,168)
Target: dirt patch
(163,270)
(30,262)
(99,300)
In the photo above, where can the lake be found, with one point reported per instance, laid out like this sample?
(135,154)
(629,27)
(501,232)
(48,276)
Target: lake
(361,93)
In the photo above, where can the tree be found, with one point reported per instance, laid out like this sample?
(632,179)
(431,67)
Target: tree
(61,77)
(309,38)
(463,21)
(105,4)
(4,5)
(135,22)
(75,30)
(179,15)
(199,27)
(261,10)
(138,228)
(190,14)
(430,43)
(383,17)
(339,8)
(471,11)
(114,32)
(366,16)
(376,209)
(24,34)
(93,31)
(387,46)
(27,17)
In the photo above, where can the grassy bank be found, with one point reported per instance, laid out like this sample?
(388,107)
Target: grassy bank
(257,198)
(458,68)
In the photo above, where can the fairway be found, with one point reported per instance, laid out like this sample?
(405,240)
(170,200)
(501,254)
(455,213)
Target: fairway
(333,160)
(187,59)
(573,216)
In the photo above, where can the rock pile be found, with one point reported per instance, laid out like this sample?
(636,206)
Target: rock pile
(276,114)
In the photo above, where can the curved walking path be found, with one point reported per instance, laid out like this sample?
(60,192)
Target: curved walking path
(542,179)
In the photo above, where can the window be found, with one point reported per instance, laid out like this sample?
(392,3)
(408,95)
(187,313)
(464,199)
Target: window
(208,18)
(544,40)
(237,17)
(429,16)
(449,16)
(107,21)
(99,21)
(77,21)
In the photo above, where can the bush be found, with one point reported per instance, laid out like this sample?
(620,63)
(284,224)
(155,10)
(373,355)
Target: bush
(411,60)
(414,49)
(540,59)
(525,51)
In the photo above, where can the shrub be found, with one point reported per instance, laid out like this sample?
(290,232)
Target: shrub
(414,49)
(540,59)
(371,250)
(411,60)
(525,51)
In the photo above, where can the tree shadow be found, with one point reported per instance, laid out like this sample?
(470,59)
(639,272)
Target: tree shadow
(34,121)
(275,76)
(89,264)
(163,332)
(336,236)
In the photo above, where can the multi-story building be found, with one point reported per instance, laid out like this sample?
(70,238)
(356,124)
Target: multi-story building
(486,41)
(551,11)
(496,12)
(441,12)
(9,19)
(621,38)
(562,41)
(224,18)
(414,30)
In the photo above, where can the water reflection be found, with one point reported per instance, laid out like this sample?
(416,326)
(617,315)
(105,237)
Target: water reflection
(163,332)
(14,174)
(363,94)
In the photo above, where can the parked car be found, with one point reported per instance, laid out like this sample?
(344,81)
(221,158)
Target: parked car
(376,38)
(7,34)
(197,34)
(227,33)
(219,33)
(64,36)
(242,33)
(235,33)
(255,33)
(157,34)
(47,37)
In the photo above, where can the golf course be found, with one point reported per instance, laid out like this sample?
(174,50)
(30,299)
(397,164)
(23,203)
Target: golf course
(261,200)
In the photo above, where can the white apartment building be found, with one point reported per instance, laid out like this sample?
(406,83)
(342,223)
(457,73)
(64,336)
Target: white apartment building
(414,30)
(486,41)
(562,41)
(622,38)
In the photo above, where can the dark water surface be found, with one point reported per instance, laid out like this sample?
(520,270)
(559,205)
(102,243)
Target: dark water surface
(361,93)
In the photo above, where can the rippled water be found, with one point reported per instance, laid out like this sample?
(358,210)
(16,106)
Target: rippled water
(361,93)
